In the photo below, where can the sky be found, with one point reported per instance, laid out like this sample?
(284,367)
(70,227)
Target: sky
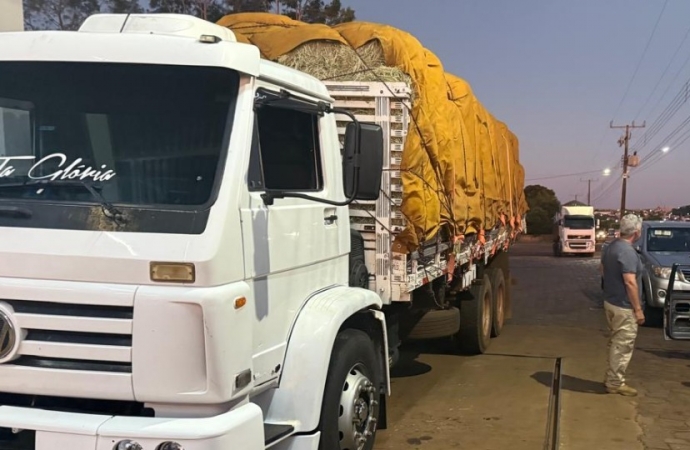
(558,72)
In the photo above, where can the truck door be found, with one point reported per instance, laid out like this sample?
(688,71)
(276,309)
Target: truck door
(677,306)
(293,247)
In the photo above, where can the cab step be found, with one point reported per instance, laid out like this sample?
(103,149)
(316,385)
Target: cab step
(274,433)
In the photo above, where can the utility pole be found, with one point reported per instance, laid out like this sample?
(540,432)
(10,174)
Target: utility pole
(589,190)
(624,142)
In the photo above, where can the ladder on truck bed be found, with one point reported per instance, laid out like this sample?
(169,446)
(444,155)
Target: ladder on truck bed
(394,276)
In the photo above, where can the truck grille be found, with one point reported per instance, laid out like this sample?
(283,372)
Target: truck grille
(62,336)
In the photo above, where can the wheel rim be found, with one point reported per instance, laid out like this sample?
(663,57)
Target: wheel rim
(358,410)
(486,314)
(499,306)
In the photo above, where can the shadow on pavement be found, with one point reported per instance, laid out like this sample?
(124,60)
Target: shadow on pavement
(408,366)
(670,354)
(570,383)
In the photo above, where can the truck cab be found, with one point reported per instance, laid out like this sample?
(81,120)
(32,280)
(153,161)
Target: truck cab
(575,231)
(175,246)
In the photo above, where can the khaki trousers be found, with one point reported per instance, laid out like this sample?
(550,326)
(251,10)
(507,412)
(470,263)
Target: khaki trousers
(623,329)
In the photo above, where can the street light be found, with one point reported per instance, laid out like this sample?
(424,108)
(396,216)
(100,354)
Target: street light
(665,149)
(607,172)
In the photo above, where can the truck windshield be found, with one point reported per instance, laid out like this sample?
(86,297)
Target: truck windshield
(668,240)
(145,136)
(578,222)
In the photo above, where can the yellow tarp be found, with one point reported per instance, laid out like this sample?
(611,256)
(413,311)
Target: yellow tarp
(460,166)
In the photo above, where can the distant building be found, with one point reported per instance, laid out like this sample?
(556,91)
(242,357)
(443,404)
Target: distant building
(11,15)
(574,203)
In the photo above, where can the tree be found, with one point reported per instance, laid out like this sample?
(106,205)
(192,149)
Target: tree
(310,11)
(316,11)
(543,206)
(58,14)
(70,14)
(205,9)
(682,211)
(123,6)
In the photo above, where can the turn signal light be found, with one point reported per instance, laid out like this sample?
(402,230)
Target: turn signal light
(240,302)
(173,272)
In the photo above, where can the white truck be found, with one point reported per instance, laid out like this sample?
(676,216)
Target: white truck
(575,231)
(178,268)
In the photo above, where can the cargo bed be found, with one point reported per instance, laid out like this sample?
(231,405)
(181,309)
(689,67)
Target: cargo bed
(394,275)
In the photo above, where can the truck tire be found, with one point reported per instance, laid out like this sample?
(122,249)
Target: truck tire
(498,304)
(359,275)
(475,319)
(436,323)
(350,409)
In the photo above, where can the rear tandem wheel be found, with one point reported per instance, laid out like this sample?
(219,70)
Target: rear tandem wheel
(476,318)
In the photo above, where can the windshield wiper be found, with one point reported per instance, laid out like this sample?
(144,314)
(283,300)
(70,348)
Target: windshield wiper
(110,211)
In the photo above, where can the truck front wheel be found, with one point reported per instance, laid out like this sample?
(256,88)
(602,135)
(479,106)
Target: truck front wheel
(350,410)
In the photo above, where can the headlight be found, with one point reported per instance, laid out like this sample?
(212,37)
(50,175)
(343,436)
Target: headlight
(127,445)
(170,446)
(661,272)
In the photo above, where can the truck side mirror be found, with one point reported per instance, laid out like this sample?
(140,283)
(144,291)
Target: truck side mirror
(363,161)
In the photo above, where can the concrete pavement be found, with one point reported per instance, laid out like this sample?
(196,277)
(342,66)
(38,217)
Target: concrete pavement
(499,400)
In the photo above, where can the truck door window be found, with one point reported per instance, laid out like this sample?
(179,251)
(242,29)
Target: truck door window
(15,131)
(287,143)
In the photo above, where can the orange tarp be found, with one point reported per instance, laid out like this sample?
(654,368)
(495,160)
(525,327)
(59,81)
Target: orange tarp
(460,166)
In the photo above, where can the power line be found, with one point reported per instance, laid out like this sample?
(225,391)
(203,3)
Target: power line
(666,139)
(608,185)
(589,189)
(637,68)
(566,175)
(639,63)
(668,66)
(678,101)
(608,189)
(680,70)
(660,155)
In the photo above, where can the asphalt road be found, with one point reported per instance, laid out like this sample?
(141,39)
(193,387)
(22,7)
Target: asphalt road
(499,400)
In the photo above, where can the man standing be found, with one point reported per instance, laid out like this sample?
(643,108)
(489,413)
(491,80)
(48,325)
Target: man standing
(622,275)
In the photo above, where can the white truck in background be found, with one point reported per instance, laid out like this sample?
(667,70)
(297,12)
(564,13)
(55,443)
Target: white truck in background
(575,231)
(179,270)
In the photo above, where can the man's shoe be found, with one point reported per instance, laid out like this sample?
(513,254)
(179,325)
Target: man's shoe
(624,390)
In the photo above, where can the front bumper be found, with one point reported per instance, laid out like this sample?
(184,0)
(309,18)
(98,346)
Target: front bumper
(659,288)
(240,428)
(579,247)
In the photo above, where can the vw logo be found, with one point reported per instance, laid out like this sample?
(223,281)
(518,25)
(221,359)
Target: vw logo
(8,335)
